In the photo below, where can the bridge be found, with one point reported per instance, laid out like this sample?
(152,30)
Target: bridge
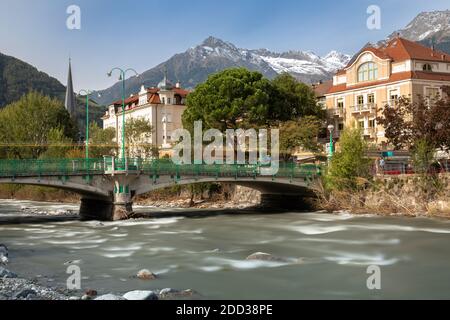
(107,186)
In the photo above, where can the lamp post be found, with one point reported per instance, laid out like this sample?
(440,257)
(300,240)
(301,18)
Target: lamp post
(87,93)
(331,129)
(122,78)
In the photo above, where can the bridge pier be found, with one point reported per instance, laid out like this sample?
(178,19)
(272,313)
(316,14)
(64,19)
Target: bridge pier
(286,201)
(105,210)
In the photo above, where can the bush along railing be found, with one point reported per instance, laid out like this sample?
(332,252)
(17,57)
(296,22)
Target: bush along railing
(153,168)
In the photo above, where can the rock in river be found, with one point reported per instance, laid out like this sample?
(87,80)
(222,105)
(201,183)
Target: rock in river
(140,295)
(145,274)
(261,256)
(5,273)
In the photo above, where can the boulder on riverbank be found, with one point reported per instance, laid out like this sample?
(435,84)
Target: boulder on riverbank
(5,273)
(3,254)
(141,295)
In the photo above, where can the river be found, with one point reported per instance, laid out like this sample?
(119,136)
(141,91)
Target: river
(207,253)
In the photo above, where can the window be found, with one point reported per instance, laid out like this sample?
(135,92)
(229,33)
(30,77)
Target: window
(432,93)
(163,100)
(372,123)
(340,104)
(367,72)
(427,67)
(393,97)
(371,98)
(340,126)
(168,100)
(360,100)
(361,124)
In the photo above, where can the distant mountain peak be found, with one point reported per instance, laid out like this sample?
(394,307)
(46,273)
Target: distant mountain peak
(426,25)
(214,42)
(214,54)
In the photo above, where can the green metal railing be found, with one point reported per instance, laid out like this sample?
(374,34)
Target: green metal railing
(46,167)
(153,168)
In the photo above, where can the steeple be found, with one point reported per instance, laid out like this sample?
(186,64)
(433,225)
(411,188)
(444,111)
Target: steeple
(70,96)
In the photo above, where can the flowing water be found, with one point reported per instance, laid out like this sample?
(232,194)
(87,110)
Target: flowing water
(207,253)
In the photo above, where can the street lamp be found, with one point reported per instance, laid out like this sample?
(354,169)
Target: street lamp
(87,93)
(331,129)
(122,78)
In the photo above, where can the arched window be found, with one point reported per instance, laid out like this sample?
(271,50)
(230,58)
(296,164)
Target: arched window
(367,72)
(427,67)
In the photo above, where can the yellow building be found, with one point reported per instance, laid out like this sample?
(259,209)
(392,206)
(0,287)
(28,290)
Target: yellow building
(376,78)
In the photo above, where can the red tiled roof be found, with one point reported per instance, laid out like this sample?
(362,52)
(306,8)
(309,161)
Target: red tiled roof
(400,49)
(154,99)
(182,92)
(130,100)
(154,96)
(322,88)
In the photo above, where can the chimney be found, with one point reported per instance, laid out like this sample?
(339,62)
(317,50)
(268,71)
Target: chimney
(443,57)
(178,85)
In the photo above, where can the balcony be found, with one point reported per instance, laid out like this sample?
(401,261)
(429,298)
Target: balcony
(336,112)
(364,108)
(369,133)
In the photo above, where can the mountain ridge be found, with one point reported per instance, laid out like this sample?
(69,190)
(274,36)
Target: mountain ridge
(212,55)
(18,77)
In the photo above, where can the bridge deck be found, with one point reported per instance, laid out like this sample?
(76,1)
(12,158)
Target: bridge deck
(77,167)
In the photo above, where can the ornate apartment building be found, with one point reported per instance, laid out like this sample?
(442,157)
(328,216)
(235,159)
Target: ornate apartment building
(377,77)
(162,106)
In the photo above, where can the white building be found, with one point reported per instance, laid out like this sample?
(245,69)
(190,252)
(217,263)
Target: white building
(162,107)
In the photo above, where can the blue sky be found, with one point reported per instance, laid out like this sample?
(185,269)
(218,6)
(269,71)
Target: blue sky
(143,33)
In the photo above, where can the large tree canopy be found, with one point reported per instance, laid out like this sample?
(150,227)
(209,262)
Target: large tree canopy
(227,99)
(407,123)
(241,98)
(30,124)
(292,99)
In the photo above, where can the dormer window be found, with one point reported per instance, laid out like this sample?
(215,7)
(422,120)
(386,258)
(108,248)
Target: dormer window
(367,72)
(427,67)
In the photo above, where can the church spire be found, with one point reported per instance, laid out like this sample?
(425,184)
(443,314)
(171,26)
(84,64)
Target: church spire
(70,96)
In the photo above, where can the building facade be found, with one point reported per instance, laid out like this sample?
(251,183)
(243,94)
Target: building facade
(376,78)
(162,107)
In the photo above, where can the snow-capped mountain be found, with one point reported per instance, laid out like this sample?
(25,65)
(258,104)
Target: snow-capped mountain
(305,65)
(428,28)
(213,55)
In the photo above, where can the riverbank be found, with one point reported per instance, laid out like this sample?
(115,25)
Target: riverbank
(14,288)
(404,195)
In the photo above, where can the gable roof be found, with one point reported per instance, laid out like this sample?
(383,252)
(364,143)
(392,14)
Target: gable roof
(400,49)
